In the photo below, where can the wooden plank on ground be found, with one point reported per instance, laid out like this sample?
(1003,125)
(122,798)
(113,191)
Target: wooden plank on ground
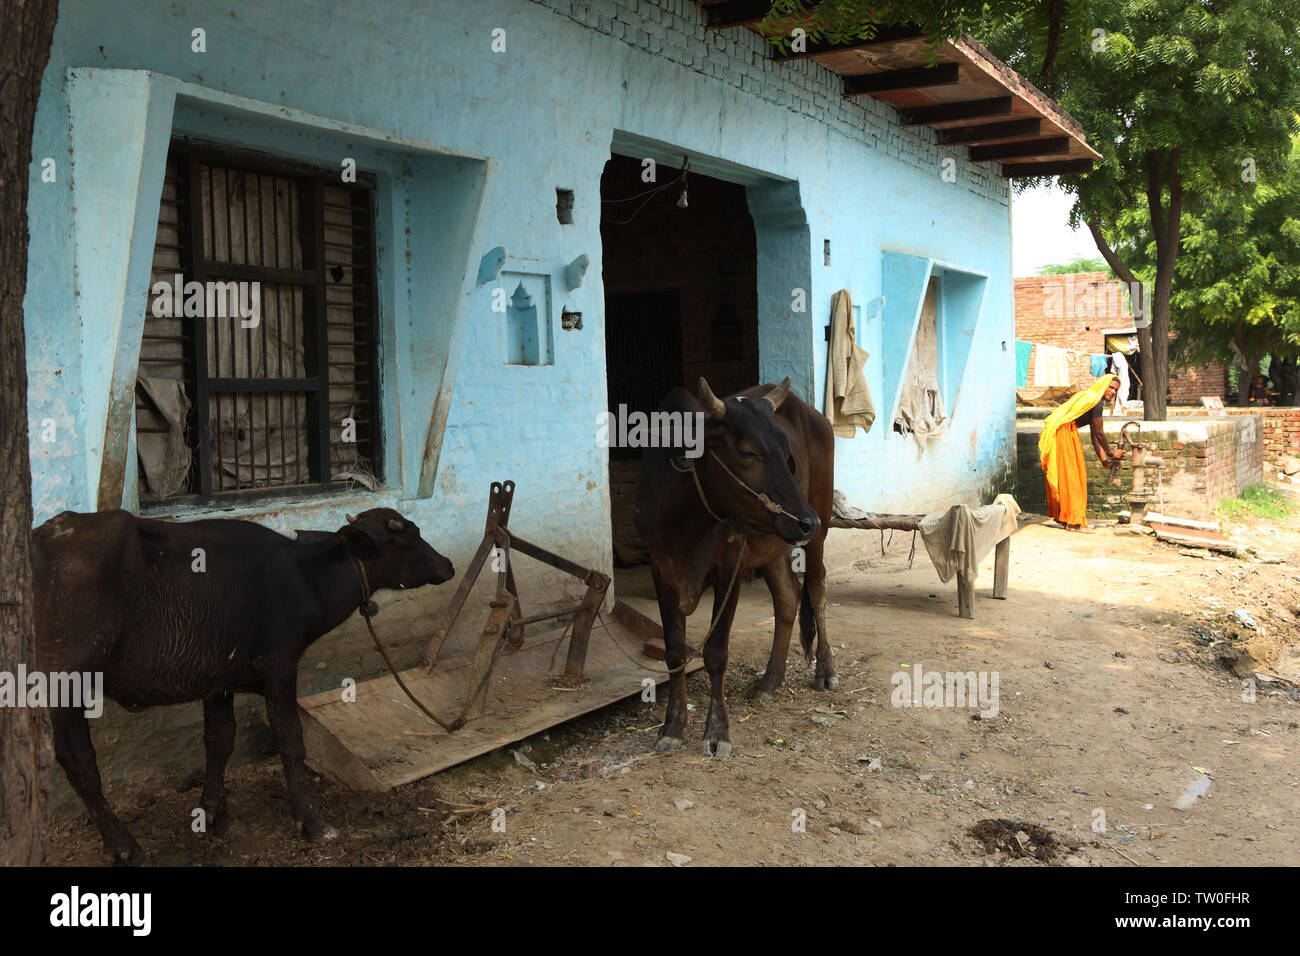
(380,740)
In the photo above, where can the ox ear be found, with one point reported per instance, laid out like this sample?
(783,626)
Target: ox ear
(712,404)
(359,537)
(778,394)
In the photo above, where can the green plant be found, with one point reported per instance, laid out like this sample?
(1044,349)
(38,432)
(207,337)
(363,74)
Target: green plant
(1257,501)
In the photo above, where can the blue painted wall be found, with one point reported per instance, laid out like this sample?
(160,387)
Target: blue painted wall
(470,146)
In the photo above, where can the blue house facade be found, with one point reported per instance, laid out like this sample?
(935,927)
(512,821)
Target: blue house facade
(465,213)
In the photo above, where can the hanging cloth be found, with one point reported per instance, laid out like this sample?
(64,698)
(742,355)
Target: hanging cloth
(1023,351)
(848,400)
(1051,366)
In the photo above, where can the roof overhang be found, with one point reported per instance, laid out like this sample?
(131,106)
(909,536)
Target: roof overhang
(963,92)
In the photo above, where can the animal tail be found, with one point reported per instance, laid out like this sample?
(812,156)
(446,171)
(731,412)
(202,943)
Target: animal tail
(807,623)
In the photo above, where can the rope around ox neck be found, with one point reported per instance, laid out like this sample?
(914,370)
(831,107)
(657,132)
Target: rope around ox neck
(368,610)
(681,464)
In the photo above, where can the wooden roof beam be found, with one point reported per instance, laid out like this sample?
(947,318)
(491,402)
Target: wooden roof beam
(988,132)
(945,74)
(1029,147)
(1062,167)
(970,109)
(884,37)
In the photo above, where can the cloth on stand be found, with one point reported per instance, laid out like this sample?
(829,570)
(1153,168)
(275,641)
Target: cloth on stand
(1051,366)
(959,539)
(1023,350)
(1097,365)
(848,400)
(1043,397)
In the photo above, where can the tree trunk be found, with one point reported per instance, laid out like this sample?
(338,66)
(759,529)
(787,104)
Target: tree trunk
(1246,383)
(1166,224)
(1154,342)
(25,750)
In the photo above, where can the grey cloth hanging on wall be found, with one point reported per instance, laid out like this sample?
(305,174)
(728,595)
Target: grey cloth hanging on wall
(921,412)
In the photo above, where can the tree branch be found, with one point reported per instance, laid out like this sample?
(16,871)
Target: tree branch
(1155,203)
(1108,253)
(1053,40)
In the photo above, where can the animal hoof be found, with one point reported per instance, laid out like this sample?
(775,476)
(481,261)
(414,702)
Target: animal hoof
(127,855)
(827,683)
(717,748)
(315,830)
(665,744)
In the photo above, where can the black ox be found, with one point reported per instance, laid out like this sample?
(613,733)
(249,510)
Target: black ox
(761,487)
(166,623)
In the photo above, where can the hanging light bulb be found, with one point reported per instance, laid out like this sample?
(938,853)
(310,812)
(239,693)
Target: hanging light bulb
(681,200)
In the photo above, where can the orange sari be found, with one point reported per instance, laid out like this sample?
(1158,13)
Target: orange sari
(1061,454)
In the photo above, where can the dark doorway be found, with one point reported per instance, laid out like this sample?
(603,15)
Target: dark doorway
(681,301)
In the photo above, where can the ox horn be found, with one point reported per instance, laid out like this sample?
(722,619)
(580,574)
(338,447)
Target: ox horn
(778,394)
(351,518)
(395,525)
(712,404)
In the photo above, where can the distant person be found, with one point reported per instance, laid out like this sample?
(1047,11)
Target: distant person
(1259,390)
(1061,451)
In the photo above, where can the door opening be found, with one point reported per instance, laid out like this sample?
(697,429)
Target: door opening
(681,302)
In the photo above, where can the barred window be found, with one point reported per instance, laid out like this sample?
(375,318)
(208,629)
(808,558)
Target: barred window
(258,365)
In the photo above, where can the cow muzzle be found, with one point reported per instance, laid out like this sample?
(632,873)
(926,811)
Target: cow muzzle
(801,530)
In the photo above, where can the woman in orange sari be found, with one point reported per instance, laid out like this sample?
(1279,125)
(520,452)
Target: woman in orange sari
(1061,451)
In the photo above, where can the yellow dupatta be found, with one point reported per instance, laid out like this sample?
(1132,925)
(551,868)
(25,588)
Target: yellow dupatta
(1074,406)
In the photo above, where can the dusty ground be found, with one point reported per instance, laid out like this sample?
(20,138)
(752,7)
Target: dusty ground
(1115,697)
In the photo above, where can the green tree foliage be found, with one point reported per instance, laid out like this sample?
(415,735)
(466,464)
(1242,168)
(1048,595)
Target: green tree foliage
(1081,264)
(1176,96)
(1052,24)
(1237,282)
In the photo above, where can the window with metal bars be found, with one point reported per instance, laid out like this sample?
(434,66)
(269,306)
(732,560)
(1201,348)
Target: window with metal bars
(287,399)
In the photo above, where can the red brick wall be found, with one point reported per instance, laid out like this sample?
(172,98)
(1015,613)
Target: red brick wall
(1069,312)
(1281,430)
(1060,310)
(1187,386)
(1204,461)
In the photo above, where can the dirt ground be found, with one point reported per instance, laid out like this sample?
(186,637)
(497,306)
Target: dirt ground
(1115,658)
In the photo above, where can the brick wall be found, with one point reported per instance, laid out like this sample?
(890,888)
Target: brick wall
(1280,428)
(1069,312)
(1188,385)
(1206,460)
(1060,310)
(622,494)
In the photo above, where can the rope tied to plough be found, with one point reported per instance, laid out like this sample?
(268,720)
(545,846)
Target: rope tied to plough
(369,609)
